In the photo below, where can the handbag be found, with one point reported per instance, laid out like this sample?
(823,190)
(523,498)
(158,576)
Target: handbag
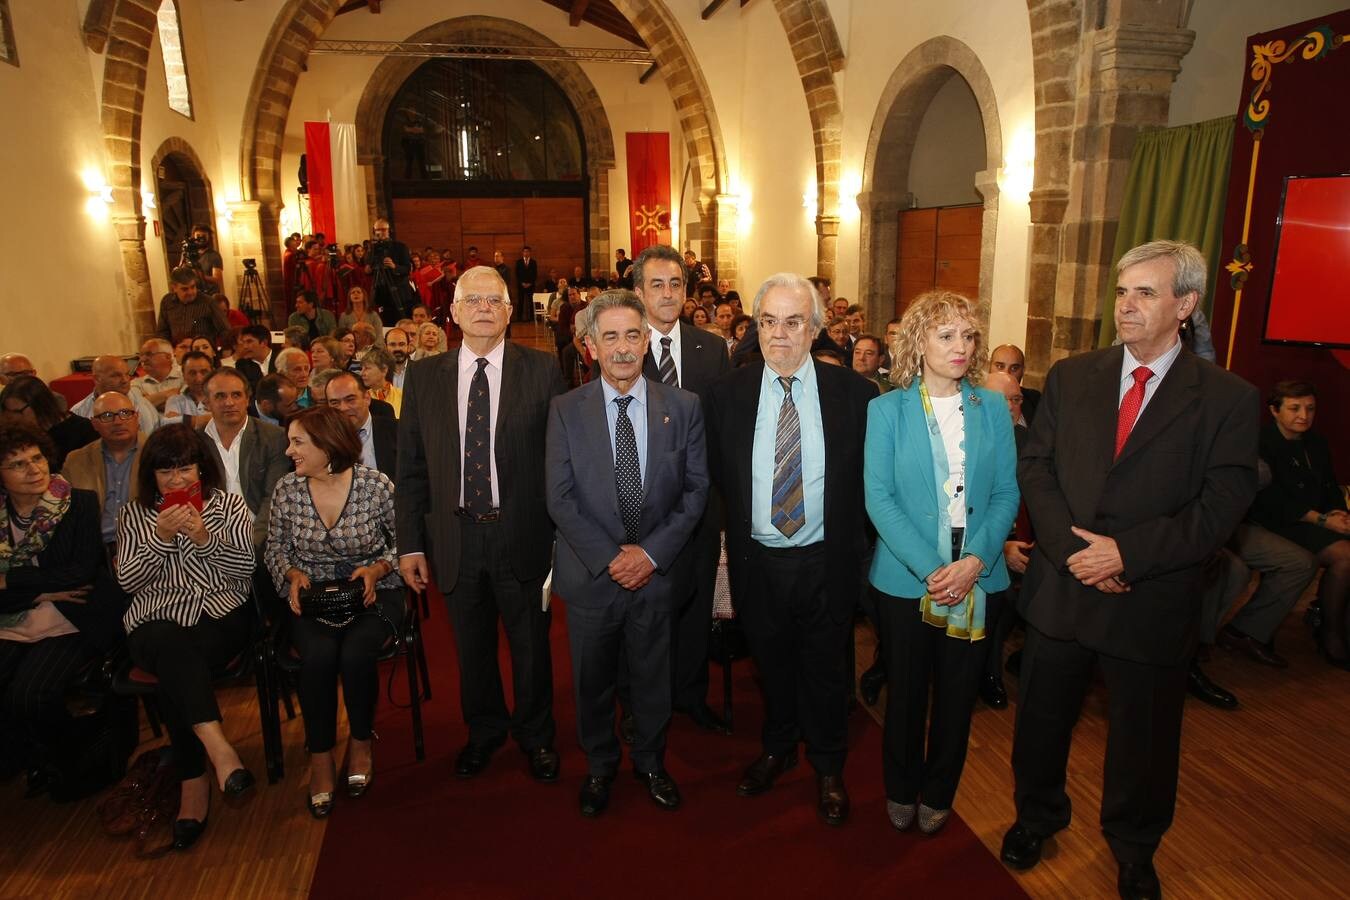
(334,603)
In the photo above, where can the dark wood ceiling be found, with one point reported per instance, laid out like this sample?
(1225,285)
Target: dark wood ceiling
(600,13)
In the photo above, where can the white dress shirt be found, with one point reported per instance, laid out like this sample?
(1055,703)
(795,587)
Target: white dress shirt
(367,436)
(229,456)
(674,349)
(468,366)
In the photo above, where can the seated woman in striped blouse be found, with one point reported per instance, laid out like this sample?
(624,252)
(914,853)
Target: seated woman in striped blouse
(188,571)
(331,519)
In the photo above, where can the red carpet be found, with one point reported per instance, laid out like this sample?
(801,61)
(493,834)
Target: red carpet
(421,832)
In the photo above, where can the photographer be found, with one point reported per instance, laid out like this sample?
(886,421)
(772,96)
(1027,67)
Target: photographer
(198,253)
(389,265)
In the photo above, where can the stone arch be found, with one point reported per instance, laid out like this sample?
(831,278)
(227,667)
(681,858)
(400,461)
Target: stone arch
(815,48)
(131,30)
(388,79)
(176,146)
(298,25)
(890,146)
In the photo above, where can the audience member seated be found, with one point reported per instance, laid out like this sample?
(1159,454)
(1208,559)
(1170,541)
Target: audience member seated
(12,365)
(869,356)
(188,572)
(160,376)
(834,337)
(396,341)
(111,373)
(253,354)
(358,310)
(251,453)
(275,399)
(236,317)
(857,319)
(333,519)
(324,353)
(189,404)
(430,341)
(318,384)
(366,337)
(201,345)
(108,466)
(1304,504)
(347,348)
(377,367)
(59,609)
(293,365)
(308,315)
(378,434)
(296,336)
(1010,359)
(27,398)
(186,312)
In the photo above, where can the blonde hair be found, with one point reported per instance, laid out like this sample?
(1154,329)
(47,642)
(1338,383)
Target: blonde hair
(440,337)
(926,312)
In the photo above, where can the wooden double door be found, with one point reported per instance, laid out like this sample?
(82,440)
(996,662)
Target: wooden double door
(939,249)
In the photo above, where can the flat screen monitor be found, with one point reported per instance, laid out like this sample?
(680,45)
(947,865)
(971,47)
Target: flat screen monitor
(1310,287)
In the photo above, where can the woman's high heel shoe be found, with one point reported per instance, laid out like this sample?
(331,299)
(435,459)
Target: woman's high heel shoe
(320,804)
(236,787)
(359,783)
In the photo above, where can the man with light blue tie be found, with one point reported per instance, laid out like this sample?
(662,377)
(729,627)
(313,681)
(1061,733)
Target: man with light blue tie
(785,449)
(379,435)
(627,483)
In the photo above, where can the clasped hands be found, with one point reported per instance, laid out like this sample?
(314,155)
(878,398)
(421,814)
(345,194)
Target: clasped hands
(948,585)
(631,569)
(1098,564)
(368,575)
(181,519)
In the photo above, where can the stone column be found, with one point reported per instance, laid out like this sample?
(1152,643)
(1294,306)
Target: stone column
(599,218)
(827,237)
(722,238)
(130,232)
(879,243)
(250,225)
(986,185)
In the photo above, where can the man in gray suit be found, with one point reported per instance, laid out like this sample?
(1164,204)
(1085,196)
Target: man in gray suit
(627,484)
(469,503)
(251,453)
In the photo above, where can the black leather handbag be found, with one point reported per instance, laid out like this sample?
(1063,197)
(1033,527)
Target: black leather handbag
(334,603)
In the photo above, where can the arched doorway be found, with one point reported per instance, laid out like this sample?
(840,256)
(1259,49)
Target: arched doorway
(487,155)
(936,144)
(182,196)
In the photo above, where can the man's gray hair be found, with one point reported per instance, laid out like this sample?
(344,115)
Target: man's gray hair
(662,252)
(319,378)
(160,345)
(288,354)
(799,284)
(1188,261)
(615,299)
(480,272)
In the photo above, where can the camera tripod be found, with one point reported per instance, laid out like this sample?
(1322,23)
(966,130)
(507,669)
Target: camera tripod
(253,296)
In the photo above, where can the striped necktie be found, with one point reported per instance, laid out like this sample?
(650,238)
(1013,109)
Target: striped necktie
(788,512)
(666,367)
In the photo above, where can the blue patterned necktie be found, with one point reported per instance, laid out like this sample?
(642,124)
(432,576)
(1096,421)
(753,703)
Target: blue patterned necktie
(627,472)
(478,444)
(789,504)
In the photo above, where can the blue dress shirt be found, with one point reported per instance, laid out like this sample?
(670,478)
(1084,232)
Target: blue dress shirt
(806,397)
(637,414)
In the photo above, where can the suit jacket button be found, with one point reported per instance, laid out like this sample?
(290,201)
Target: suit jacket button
(970,510)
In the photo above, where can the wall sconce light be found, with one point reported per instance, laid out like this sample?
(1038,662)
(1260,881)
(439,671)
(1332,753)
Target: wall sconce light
(1015,177)
(148,201)
(100,194)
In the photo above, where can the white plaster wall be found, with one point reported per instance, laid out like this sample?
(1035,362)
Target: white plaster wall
(1211,83)
(878,39)
(334,84)
(949,148)
(63,290)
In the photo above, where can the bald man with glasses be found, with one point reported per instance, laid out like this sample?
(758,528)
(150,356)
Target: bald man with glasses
(108,465)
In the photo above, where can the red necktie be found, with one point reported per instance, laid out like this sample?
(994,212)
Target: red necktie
(1130,406)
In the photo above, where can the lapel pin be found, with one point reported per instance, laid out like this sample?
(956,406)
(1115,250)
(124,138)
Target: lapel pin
(665,420)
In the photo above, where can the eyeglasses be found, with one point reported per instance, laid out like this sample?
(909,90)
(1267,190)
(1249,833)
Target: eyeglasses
(17,372)
(476,300)
(792,324)
(33,463)
(115,415)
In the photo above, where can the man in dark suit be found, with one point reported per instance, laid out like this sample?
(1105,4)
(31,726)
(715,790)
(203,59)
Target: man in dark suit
(627,482)
(527,276)
(379,434)
(1140,463)
(683,356)
(389,264)
(253,354)
(1009,359)
(252,454)
(785,448)
(470,497)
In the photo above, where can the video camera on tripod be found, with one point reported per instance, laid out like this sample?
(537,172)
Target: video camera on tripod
(191,250)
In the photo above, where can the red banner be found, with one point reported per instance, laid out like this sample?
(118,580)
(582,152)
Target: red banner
(648,189)
(319,168)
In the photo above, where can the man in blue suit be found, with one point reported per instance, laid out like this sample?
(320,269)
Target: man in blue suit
(627,483)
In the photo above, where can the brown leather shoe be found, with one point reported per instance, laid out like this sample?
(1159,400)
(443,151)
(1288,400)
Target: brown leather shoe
(764,771)
(833,799)
(1230,638)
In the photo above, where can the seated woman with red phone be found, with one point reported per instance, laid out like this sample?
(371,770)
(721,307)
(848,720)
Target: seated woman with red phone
(186,557)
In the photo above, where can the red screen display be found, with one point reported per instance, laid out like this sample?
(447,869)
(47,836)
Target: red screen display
(1310,293)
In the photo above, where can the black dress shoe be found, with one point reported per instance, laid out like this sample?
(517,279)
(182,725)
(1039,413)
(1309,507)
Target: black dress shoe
(871,683)
(764,771)
(1138,881)
(543,764)
(1013,665)
(992,692)
(473,759)
(595,795)
(833,806)
(661,787)
(237,784)
(186,832)
(1230,638)
(627,728)
(1201,688)
(705,718)
(1021,847)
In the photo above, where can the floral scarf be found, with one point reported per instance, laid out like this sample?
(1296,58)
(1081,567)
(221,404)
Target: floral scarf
(51,509)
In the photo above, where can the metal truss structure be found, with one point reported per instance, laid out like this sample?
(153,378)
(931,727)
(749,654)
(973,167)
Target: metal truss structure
(483,51)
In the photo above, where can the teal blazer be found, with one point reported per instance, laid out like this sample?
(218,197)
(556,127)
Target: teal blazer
(902,496)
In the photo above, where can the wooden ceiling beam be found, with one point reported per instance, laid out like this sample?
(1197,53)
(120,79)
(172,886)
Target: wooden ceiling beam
(578,12)
(713,7)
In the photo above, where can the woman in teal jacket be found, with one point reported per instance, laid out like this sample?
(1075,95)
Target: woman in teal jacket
(941,488)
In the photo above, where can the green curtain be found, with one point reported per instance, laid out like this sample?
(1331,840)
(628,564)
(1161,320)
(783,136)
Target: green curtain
(1176,190)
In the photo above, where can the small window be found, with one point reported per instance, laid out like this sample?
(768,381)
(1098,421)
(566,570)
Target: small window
(175,64)
(8,53)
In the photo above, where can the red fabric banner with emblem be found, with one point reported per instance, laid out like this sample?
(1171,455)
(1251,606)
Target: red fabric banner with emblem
(648,189)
